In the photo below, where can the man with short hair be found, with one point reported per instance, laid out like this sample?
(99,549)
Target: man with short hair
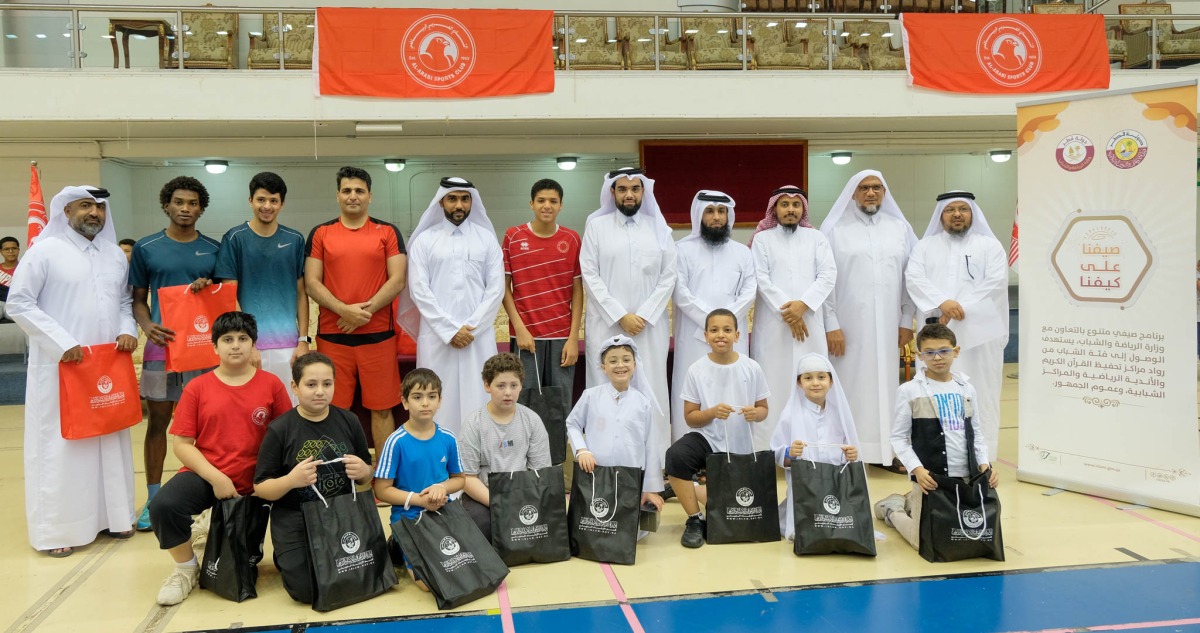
(126,245)
(957,275)
(266,259)
(176,256)
(10,249)
(796,274)
(455,288)
(869,316)
(71,292)
(713,271)
(628,265)
(354,269)
(543,293)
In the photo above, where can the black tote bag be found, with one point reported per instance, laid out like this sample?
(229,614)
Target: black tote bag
(961,520)
(234,548)
(604,512)
(449,553)
(832,509)
(529,516)
(547,402)
(743,501)
(348,551)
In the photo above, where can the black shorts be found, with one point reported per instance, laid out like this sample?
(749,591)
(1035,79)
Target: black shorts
(688,456)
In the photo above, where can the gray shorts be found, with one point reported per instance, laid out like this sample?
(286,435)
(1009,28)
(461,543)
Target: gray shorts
(161,385)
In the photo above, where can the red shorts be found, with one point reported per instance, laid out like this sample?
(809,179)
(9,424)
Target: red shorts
(371,366)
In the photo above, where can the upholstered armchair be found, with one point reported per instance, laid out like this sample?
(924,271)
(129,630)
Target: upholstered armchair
(557,43)
(871,41)
(1172,45)
(591,46)
(771,47)
(819,50)
(637,33)
(1116,46)
(209,40)
(713,43)
(296,35)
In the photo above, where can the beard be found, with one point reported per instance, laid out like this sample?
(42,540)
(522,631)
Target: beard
(87,229)
(629,211)
(714,237)
(959,232)
(868,209)
(789,228)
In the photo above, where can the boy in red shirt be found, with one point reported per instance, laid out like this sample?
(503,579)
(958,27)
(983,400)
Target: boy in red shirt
(219,424)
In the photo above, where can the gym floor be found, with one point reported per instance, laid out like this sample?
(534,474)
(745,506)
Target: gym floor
(1074,563)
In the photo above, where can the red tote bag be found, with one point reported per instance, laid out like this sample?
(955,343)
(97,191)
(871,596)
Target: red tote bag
(98,395)
(190,315)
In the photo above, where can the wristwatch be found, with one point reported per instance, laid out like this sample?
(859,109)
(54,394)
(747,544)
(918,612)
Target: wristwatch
(304,339)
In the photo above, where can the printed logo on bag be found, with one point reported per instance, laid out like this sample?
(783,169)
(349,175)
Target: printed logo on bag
(832,505)
(599,507)
(202,339)
(1075,152)
(438,52)
(972,518)
(260,416)
(351,542)
(745,509)
(106,398)
(1126,149)
(1008,52)
(201,324)
(744,496)
(449,546)
(211,568)
(528,515)
(104,384)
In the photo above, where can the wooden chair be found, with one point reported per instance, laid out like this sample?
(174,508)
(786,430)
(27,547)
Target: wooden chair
(1172,45)
(638,36)
(591,45)
(713,43)
(209,39)
(296,37)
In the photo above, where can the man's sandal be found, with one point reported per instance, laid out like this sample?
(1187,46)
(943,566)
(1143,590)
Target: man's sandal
(61,552)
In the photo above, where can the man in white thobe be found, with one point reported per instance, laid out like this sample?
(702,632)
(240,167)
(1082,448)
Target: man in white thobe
(796,273)
(713,272)
(71,292)
(455,287)
(869,316)
(958,276)
(628,265)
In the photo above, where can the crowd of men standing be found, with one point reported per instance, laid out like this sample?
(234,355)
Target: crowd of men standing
(851,289)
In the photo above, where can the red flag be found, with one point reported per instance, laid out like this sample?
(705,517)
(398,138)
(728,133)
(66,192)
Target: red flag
(989,53)
(433,53)
(37,207)
(1014,249)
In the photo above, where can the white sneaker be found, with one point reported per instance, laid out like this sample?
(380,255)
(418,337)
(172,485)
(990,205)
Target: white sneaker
(200,529)
(886,506)
(178,585)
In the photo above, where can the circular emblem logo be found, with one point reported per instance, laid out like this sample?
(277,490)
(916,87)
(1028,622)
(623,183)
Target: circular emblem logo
(528,515)
(1075,152)
(449,546)
(599,507)
(438,52)
(104,384)
(1009,52)
(201,324)
(972,518)
(744,496)
(260,416)
(563,246)
(1126,149)
(832,505)
(351,542)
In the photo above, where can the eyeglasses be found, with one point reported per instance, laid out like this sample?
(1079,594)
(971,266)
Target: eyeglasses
(935,353)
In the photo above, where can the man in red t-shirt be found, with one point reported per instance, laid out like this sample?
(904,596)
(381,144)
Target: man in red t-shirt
(543,293)
(10,248)
(219,426)
(354,269)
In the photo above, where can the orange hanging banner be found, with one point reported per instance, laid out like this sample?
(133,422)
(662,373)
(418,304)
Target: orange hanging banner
(1005,54)
(433,53)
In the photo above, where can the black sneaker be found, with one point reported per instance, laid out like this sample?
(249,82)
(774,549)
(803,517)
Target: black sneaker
(668,493)
(693,532)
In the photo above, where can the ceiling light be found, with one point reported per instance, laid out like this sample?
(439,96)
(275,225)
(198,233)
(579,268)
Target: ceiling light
(1000,155)
(801,25)
(887,35)
(841,158)
(216,166)
(41,36)
(567,163)
(772,24)
(394,164)
(582,40)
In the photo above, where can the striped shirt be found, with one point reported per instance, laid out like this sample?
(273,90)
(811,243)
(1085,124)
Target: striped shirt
(543,272)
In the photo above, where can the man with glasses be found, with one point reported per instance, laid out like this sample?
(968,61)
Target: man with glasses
(958,276)
(869,316)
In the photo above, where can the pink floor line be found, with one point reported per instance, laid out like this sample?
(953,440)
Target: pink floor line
(506,618)
(1120,627)
(1132,513)
(619,594)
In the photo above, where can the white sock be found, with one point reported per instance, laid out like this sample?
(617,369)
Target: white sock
(188,565)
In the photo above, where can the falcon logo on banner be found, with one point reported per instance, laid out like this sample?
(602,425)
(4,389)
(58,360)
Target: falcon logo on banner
(433,53)
(1005,54)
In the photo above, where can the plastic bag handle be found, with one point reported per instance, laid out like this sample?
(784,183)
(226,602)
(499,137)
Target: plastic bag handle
(982,511)
(616,483)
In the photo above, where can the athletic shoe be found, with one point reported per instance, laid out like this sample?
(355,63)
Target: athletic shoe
(178,585)
(693,532)
(143,522)
(200,529)
(886,506)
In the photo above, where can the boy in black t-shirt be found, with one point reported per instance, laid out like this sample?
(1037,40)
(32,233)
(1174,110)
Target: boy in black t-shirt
(296,457)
